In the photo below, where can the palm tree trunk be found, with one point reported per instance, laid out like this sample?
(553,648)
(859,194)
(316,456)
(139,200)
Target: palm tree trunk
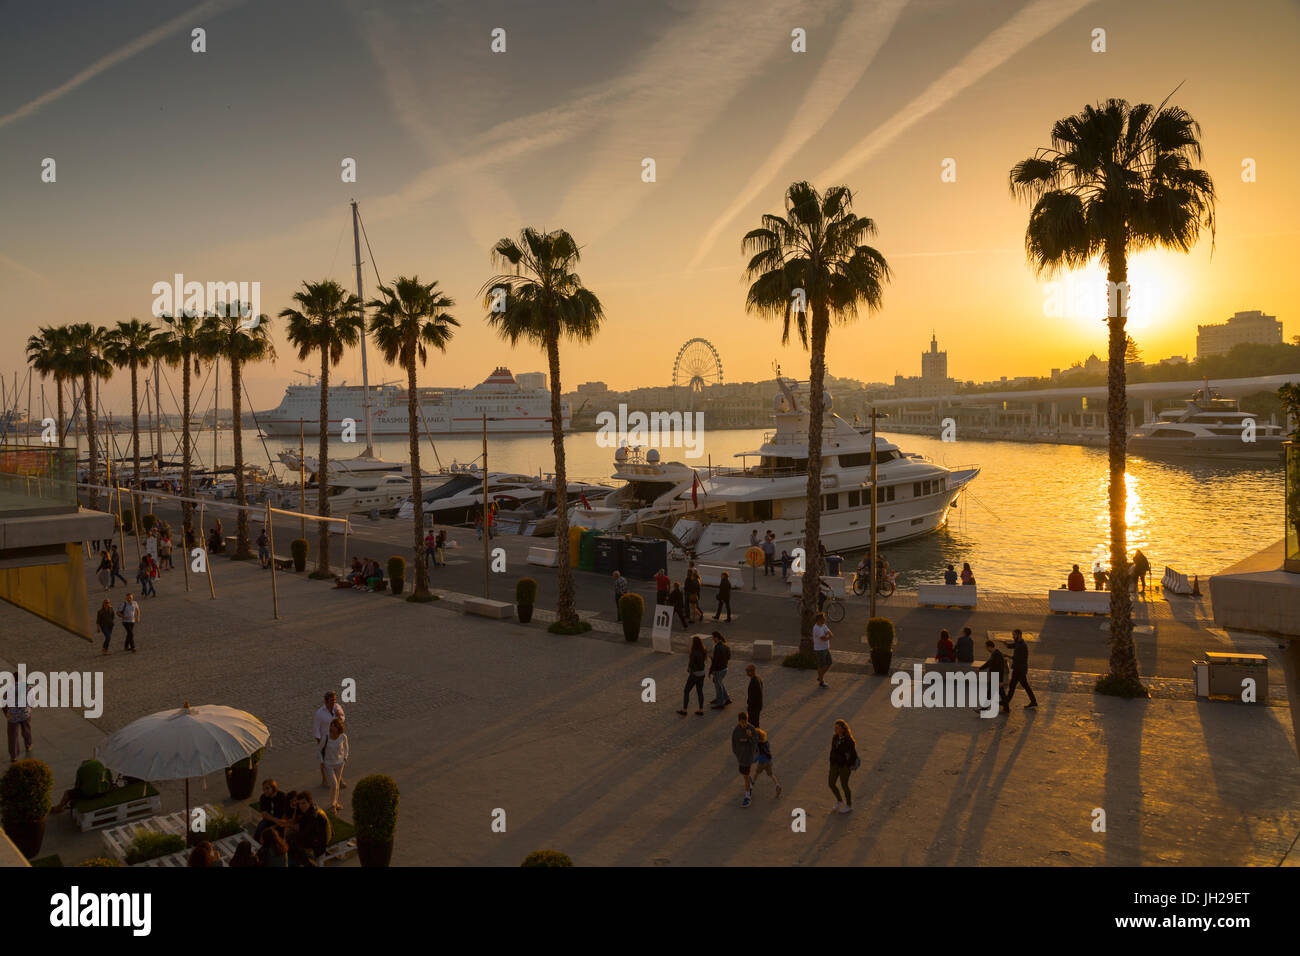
(88,402)
(322,473)
(566,611)
(812,531)
(417,494)
(242,552)
(187,509)
(1123,654)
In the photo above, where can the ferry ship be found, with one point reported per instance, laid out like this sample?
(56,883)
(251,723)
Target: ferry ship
(510,409)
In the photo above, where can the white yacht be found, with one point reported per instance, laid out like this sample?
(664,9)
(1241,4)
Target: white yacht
(913,494)
(363,492)
(650,498)
(1208,426)
(458,499)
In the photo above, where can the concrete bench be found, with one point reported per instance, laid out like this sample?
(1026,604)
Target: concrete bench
(838,586)
(543,557)
(946,595)
(1062,601)
(762,650)
(711,574)
(484,607)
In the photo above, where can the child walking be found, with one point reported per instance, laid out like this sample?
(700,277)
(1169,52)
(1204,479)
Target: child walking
(763,758)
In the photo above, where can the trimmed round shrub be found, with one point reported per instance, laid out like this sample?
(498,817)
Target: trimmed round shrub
(25,791)
(547,858)
(526,591)
(631,607)
(299,548)
(880,635)
(374,807)
(100,861)
(396,573)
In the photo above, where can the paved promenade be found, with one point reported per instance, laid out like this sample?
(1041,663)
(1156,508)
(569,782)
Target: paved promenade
(471,716)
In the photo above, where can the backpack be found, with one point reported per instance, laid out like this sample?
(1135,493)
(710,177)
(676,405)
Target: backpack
(93,779)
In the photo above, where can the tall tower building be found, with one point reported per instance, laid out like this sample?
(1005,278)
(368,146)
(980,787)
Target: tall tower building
(934,364)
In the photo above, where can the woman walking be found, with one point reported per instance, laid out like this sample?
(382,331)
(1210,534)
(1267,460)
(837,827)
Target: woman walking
(678,601)
(145,579)
(692,590)
(763,757)
(105,620)
(165,549)
(105,571)
(844,760)
(724,596)
(334,756)
(695,666)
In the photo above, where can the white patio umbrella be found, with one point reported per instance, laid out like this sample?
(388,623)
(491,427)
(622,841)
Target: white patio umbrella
(183,743)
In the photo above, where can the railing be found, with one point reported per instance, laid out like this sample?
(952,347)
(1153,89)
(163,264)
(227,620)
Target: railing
(43,473)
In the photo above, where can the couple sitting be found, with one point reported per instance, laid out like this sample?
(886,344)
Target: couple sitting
(291,821)
(366,574)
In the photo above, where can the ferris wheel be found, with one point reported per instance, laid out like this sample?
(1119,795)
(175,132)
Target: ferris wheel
(697,366)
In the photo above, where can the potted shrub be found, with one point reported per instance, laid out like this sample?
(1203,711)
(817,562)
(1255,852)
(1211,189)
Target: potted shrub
(298,548)
(374,813)
(241,776)
(149,521)
(396,573)
(631,608)
(128,520)
(525,599)
(548,857)
(880,635)
(25,792)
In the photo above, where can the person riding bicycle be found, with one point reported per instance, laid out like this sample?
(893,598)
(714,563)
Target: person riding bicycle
(823,592)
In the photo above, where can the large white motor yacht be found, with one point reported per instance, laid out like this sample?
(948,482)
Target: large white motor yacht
(649,500)
(1208,426)
(913,494)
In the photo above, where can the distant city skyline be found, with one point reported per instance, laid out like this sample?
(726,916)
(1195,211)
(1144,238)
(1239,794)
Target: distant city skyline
(226,166)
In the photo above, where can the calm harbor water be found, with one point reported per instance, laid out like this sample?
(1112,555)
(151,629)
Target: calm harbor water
(1033,511)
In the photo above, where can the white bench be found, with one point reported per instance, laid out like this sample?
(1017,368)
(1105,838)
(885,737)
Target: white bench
(484,607)
(711,575)
(946,595)
(838,585)
(543,557)
(118,813)
(1062,601)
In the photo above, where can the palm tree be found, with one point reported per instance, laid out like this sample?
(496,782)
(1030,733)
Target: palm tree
(1117,179)
(409,318)
(230,337)
(329,320)
(813,255)
(47,353)
(131,346)
(180,343)
(87,344)
(541,301)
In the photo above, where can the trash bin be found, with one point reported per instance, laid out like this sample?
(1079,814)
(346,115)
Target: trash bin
(587,549)
(1227,672)
(833,562)
(609,553)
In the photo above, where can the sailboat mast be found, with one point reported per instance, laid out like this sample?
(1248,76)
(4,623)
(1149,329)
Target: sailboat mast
(361,299)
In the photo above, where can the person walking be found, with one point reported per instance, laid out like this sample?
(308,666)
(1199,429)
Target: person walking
(334,756)
(19,720)
(821,637)
(1019,670)
(325,715)
(440,551)
(718,670)
(165,550)
(620,588)
(763,756)
(769,554)
(965,647)
(695,665)
(997,665)
(1141,568)
(430,550)
(678,601)
(145,579)
(844,760)
(129,612)
(754,695)
(264,549)
(742,745)
(105,571)
(692,589)
(662,583)
(105,620)
(786,563)
(724,596)
(115,561)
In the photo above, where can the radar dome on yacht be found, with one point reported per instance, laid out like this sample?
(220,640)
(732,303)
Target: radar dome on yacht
(621,453)
(652,456)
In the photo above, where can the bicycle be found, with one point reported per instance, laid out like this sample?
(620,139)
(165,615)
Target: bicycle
(885,586)
(833,608)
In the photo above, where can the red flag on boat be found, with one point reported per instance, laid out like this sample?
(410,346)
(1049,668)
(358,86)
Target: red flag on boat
(585,502)
(695,483)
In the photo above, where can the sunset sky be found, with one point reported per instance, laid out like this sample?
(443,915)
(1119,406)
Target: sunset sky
(225,165)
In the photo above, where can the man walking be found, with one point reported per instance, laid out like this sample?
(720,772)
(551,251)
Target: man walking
(129,612)
(115,559)
(264,549)
(19,716)
(320,729)
(754,695)
(769,554)
(1020,669)
(620,588)
(662,583)
(724,596)
(997,666)
(742,745)
(718,670)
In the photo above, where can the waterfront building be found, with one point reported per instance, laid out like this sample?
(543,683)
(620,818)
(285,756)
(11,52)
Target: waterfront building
(1243,328)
